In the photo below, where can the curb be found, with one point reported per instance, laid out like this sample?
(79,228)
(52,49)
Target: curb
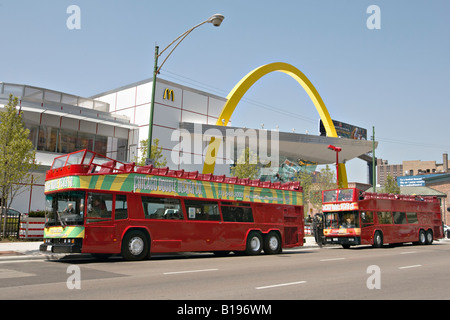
(34,255)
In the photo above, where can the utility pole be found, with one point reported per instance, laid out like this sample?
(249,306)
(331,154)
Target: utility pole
(374,176)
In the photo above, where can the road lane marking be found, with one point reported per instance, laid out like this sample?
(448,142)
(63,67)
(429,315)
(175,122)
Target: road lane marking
(408,267)
(280,285)
(21,261)
(334,259)
(8,273)
(191,271)
(408,252)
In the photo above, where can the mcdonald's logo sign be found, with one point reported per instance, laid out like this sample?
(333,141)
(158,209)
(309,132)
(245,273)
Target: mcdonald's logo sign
(168,94)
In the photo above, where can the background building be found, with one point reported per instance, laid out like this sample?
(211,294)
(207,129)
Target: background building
(60,123)
(426,178)
(174,104)
(409,169)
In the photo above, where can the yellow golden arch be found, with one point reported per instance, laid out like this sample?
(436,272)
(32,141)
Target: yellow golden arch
(241,88)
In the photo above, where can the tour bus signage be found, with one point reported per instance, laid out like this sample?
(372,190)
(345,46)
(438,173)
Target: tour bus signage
(346,206)
(158,185)
(62,183)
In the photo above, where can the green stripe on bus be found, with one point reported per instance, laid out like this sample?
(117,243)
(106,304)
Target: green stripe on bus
(107,182)
(93,182)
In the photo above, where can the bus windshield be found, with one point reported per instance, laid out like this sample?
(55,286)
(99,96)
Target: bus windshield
(65,208)
(341,219)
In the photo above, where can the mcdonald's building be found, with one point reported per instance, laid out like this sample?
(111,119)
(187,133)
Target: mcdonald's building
(114,122)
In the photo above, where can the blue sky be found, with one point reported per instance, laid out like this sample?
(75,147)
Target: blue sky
(396,78)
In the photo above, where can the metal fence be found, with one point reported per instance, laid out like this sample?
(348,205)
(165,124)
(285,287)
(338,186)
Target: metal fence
(12,226)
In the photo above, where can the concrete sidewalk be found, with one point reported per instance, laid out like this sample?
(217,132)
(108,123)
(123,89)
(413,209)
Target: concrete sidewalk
(26,250)
(20,250)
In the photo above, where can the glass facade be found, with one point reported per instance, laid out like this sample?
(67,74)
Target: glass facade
(46,138)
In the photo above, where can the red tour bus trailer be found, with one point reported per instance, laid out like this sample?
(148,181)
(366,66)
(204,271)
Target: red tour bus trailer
(102,206)
(352,217)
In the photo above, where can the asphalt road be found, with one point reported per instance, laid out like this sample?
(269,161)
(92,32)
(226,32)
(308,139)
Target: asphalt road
(402,272)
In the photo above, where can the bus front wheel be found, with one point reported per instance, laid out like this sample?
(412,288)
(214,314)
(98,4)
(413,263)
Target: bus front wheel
(378,239)
(135,246)
(422,238)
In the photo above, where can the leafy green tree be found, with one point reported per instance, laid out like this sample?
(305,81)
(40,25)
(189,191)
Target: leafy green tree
(16,155)
(247,165)
(156,154)
(391,185)
(306,181)
(312,188)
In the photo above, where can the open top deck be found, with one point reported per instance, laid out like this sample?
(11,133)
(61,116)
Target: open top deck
(88,170)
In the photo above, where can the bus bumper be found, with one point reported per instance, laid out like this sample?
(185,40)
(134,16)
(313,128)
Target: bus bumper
(60,246)
(347,240)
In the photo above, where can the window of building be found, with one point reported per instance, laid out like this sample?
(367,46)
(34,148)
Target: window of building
(202,210)
(85,141)
(47,139)
(101,144)
(50,139)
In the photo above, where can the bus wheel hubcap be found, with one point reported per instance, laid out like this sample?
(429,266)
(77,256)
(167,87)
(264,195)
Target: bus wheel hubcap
(255,244)
(273,243)
(136,246)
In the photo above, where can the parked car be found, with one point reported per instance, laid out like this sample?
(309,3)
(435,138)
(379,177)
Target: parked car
(12,213)
(446,231)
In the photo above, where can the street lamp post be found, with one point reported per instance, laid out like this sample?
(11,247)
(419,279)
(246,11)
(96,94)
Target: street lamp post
(216,20)
(337,150)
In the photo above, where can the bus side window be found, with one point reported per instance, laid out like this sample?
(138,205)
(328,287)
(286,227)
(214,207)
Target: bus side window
(412,217)
(202,210)
(162,208)
(237,214)
(99,207)
(366,218)
(384,217)
(121,210)
(399,218)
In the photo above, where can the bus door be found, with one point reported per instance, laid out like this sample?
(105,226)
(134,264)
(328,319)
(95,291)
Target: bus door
(100,230)
(204,226)
(367,227)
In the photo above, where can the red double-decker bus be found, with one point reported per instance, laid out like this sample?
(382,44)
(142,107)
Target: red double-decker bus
(102,206)
(352,217)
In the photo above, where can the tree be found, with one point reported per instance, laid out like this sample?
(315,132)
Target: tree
(312,188)
(156,154)
(306,180)
(16,155)
(247,165)
(391,185)
(325,181)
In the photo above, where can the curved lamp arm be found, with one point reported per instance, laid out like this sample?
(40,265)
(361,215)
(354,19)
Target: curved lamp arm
(216,20)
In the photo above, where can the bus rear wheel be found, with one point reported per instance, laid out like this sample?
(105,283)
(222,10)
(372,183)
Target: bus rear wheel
(254,244)
(135,246)
(378,239)
(272,243)
(429,237)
